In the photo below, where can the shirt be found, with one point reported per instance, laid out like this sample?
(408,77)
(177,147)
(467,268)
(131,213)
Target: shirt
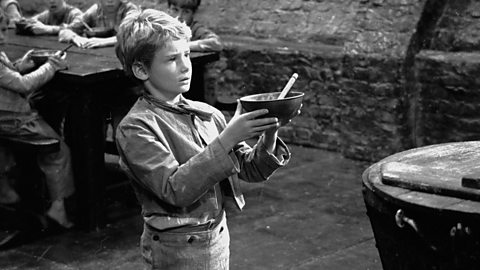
(174,175)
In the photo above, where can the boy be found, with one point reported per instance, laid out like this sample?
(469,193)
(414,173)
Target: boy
(108,14)
(182,157)
(203,39)
(58,15)
(18,119)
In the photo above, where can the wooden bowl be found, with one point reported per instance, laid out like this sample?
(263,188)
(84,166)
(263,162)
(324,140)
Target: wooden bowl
(22,27)
(284,109)
(39,57)
(100,32)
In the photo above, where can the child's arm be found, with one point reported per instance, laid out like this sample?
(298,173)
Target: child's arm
(73,32)
(14,81)
(203,39)
(39,26)
(268,154)
(151,162)
(74,21)
(99,42)
(24,64)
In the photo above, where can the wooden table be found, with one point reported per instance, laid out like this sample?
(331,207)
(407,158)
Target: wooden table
(93,75)
(428,220)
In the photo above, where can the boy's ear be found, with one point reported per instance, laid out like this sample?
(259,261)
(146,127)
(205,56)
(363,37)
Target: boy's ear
(140,71)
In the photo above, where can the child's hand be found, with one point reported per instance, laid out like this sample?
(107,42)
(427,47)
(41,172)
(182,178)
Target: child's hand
(270,137)
(25,63)
(59,62)
(80,41)
(245,126)
(95,43)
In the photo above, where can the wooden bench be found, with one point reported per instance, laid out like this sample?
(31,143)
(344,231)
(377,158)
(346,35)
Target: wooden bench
(33,144)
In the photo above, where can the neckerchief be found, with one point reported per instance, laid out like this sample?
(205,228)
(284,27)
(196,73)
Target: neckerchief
(181,108)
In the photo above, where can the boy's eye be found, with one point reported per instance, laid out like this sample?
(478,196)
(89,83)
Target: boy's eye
(187,54)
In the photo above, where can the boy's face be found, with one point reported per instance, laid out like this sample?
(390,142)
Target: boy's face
(170,72)
(183,14)
(110,5)
(56,5)
(3,29)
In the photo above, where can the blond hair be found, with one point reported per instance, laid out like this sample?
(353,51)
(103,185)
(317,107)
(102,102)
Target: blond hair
(143,32)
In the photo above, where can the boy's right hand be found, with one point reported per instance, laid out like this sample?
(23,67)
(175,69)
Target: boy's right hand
(245,126)
(58,62)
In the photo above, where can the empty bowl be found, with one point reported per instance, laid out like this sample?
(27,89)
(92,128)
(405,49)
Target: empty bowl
(22,27)
(284,109)
(99,32)
(39,57)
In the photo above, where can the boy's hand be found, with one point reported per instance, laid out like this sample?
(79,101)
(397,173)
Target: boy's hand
(244,126)
(80,41)
(58,61)
(270,137)
(25,63)
(95,43)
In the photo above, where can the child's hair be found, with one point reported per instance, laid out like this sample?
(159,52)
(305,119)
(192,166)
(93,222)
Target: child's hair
(190,4)
(143,32)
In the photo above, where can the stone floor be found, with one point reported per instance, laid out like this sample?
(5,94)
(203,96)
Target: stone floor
(310,215)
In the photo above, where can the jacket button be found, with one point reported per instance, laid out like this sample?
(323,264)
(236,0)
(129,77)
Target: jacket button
(156,238)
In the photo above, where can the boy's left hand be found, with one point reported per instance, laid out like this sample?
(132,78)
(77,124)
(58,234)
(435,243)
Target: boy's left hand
(270,135)
(26,62)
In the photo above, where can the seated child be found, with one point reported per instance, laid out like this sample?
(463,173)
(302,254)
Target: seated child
(12,10)
(184,160)
(106,14)
(18,119)
(203,39)
(58,15)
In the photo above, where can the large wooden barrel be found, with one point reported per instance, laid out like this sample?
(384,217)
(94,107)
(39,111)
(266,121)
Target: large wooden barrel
(422,216)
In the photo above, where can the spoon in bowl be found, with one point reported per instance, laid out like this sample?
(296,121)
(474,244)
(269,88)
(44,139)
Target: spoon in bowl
(288,86)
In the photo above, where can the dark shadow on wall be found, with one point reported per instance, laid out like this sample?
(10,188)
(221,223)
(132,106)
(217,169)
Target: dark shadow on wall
(421,39)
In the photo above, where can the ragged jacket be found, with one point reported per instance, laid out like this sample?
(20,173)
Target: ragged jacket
(173,173)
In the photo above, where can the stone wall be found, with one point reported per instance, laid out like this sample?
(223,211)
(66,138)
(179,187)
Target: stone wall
(448,85)
(446,79)
(357,62)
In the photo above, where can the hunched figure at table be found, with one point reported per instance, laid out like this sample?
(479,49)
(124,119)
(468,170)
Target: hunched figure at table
(183,159)
(107,14)
(203,39)
(19,119)
(59,15)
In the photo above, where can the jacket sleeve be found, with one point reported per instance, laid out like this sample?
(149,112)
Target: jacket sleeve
(27,83)
(74,20)
(255,164)
(151,163)
(204,39)
(41,17)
